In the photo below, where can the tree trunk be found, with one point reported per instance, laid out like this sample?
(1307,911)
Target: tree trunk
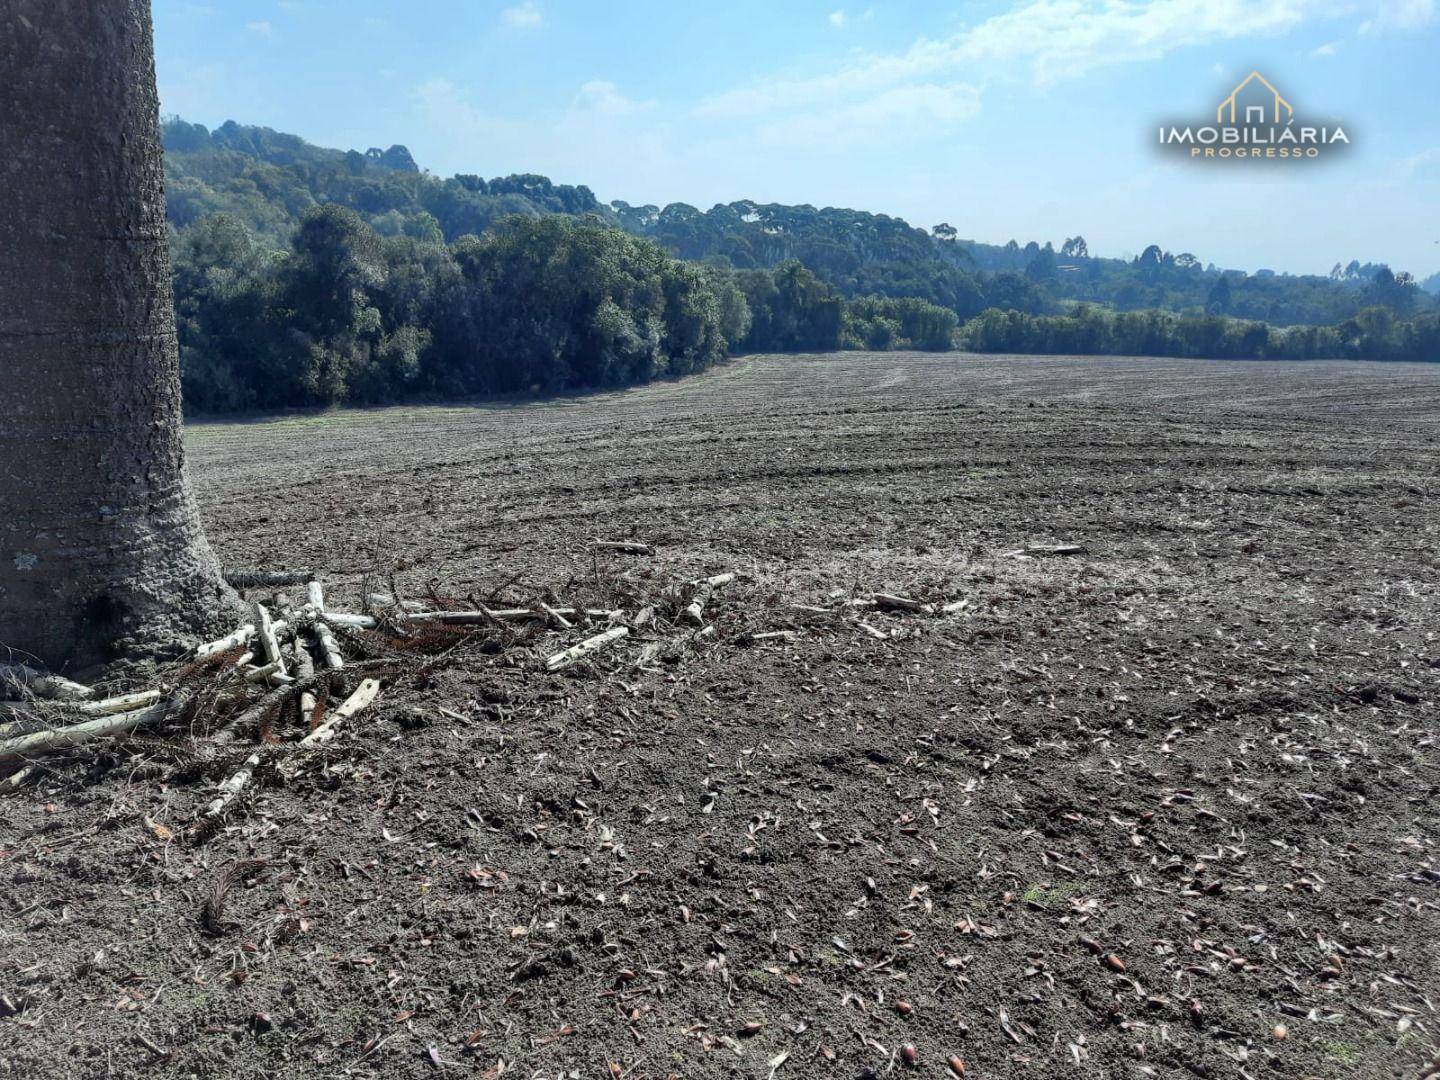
(101,550)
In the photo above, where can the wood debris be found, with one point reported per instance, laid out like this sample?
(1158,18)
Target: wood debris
(43,685)
(589,646)
(887,602)
(62,738)
(1041,551)
(627,547)
(694,612)
(364,695)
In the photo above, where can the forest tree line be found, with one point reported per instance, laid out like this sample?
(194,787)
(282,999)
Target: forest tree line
(307,276)
(269,179)
(535,305)
(1373,333)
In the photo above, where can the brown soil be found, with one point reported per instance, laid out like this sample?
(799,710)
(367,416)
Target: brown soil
(1166,809)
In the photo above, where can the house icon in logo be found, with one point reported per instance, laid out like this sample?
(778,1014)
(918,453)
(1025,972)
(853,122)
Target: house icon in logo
(1254,102)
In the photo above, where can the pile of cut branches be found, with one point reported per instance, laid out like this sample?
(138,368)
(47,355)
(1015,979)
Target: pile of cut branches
(284,683)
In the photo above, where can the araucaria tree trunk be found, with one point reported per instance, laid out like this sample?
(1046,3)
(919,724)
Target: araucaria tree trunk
(101,550)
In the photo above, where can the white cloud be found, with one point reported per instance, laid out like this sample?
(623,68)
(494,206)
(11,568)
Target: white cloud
(597,107)
(840,18)
(455,134)
(1422,164)
(196,91)
(891,116)
(863,98)
(261,27)
(1051,40)
(1063,38)
(1399,15)
(882,100)
(604,99)
(446,110)
(1330,48)
(523,16)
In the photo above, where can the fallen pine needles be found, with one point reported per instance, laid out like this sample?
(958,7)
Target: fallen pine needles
(212,912)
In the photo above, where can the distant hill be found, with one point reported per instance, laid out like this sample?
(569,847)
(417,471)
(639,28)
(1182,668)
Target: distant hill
(269,179)
(278,148)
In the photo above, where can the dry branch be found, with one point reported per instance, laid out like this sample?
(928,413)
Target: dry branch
(769,635)
(887,602)
(256,712)
(694,612)
(1037,551)
(271,672)
(329,648)
(480,617)
(123,703)
(627,547)
(305,669)
(345,618)
(230,641)
(575,653)
(484,616)
(269,643)
(365,693)
(556,617)
(62,738)
(330,656)
(232,786)
(42,685)
(22,723)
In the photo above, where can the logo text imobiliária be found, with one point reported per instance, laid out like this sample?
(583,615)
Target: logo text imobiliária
(1255,123)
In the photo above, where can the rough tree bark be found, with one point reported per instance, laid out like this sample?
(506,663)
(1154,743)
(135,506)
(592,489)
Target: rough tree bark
(101,550)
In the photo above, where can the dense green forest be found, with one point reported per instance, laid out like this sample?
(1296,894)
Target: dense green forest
(1373,333)
(305,275)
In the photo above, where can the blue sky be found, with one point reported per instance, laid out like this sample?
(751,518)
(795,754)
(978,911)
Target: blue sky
(1033,119)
